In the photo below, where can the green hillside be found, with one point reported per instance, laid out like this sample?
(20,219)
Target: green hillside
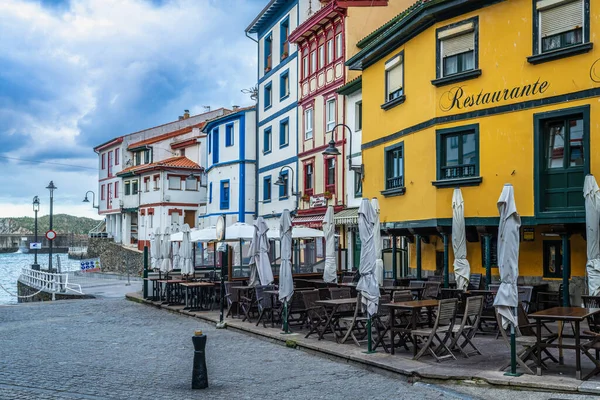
(62,223)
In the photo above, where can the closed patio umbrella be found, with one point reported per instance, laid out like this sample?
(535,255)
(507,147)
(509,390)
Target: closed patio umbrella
(253,256)
(591,192)
(175,245)
(165,246)
(185,252)
(462,269)
(263,265)
(155,250)
(286,282)
(507,297)
(377,241)
(367,285)
(329,274)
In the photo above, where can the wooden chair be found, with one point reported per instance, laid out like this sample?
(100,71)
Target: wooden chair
(416,284)
(439,334)
(316,315)
(347,279)
(264,303)
(389,282)
(525,293)
(356,325)
(297,310)
(468,326)
(593,344)
(549,299)
(381,325)
(232,300)
(594,320)
(475,281)
(432,290)
(342,293)
(402,295)
(248,305)
(435,278)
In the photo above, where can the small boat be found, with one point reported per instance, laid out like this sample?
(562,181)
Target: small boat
(23,248)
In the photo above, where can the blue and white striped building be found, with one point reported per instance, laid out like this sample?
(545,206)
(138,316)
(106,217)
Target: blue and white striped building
(277,130)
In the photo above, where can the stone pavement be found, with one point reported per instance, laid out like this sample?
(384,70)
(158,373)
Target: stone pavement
(117,349)
(475,369)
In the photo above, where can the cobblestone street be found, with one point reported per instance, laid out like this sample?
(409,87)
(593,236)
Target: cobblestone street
(115,349)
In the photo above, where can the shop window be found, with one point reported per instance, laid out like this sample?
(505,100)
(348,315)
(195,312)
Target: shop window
(394,81)
(394,170)
(553,258)
(458,156)
(561,28)
(457,52)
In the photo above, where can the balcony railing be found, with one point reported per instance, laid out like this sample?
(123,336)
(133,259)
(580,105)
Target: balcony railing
(459,171)
(394,182)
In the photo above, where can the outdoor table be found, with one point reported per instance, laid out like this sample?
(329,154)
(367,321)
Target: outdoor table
(273,293)
(332,317)
(416,291)
(171,292)
(415,308)
(155,288)
(195,295)
(448,293)
(563,314)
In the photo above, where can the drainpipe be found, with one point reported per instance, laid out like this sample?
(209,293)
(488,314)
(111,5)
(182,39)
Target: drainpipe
(566,262)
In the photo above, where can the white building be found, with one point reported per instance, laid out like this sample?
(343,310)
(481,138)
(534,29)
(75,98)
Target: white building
(231,167)
(132,169)
(277,140)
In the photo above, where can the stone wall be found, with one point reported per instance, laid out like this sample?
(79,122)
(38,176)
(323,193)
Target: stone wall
(116,258)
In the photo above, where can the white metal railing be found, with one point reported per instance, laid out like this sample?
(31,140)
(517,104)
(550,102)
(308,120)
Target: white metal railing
(49,282)
(78,249)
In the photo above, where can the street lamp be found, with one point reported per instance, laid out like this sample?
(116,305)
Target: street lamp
(51,188)
(282,181)
(36,207)
(331,150)
(85,200)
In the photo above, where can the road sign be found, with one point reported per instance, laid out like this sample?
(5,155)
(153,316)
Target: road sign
(90,265)
(35,246)
(50,235)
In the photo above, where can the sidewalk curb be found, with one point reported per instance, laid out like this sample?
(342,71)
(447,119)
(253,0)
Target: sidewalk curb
(421,371)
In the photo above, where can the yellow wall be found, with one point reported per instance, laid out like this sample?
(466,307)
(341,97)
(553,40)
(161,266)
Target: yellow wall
(506,141)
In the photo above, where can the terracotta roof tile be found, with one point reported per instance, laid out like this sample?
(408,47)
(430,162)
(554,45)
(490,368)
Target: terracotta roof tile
(173,162)
(165,136)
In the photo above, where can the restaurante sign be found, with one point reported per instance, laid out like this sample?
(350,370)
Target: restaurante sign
(458,98)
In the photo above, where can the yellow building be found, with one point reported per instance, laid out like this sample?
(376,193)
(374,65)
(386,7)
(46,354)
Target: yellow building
(475,95)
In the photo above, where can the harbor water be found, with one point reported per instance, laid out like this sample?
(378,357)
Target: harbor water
(12,263)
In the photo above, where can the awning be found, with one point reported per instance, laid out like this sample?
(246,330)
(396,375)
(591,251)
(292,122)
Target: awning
(311,221)
(348,216)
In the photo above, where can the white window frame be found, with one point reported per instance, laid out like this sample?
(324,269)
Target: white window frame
(171,183)
(321,60)
(308,123)
(328,114)
(394,65)
(338,45)
(329,51)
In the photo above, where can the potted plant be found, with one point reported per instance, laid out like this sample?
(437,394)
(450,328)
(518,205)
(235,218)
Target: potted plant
(284,55)
(267,69)
(305,197)
(327,194)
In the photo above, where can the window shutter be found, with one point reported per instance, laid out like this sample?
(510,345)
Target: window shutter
(395,78)
(562,18)
(458,44)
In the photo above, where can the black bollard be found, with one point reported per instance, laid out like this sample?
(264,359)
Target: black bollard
(199,373)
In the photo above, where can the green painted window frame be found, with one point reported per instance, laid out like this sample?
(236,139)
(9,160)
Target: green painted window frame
(441,182)
(397,191)
(577,215)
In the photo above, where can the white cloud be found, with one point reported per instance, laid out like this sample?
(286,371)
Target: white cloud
(77,76)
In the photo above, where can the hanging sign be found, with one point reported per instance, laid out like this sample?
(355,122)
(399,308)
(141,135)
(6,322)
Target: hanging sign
(528,234)
(35,246)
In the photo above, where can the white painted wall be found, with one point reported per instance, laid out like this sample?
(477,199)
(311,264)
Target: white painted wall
(351,120)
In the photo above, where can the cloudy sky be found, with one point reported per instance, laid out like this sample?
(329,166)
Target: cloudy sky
(74,74)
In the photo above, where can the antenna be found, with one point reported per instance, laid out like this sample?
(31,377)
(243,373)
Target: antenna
(253,92)
(206,108)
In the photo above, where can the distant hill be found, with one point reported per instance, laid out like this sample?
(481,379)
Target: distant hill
(61,223)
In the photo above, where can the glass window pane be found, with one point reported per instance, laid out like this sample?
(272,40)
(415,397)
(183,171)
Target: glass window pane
(555,144)
(450,65)
(469,150)
(451,151)
(576,142)
(468,61)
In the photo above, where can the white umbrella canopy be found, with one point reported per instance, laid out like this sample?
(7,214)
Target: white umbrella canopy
(367,285)
(377,241)
(462,269)
(253,255)
(176,237)
(591,192)
(239,230)
(175,246)
(286,282)
(298,232)
(329,274)
(165,246)
(185,252)
(204,235)
(155,250)
(507,297)
(263,264)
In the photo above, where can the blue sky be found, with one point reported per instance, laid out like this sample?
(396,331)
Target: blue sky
(76,73)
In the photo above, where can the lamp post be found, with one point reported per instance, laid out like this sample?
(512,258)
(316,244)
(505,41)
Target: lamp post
(281,181)
(51,188)
(36,207)
(331,150)
(85,200)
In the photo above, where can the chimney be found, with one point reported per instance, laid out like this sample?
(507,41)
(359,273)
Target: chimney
(186,114)
(235,108)
(181,118)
